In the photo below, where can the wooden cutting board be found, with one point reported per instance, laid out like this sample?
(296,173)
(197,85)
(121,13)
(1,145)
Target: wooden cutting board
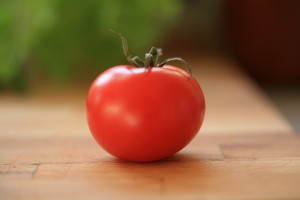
(245,149)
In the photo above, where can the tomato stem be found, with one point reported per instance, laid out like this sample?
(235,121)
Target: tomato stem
(186,64)
(151,59)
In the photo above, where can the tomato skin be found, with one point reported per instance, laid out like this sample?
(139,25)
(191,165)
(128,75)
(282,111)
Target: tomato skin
(144,115)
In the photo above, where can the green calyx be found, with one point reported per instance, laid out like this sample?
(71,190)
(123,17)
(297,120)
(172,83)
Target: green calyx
(151,58)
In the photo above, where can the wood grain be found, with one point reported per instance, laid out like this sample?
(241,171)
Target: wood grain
(245,150)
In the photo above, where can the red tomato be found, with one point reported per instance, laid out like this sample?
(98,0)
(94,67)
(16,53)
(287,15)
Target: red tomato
(142,114)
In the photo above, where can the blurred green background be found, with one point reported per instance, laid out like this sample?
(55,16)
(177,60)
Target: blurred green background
(60,41)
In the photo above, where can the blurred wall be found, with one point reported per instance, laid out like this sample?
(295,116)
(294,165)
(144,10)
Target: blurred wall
(265,36)
(262,35)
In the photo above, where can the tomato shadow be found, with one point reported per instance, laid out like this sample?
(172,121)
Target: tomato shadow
(180,173)
(178,157)
(174,167)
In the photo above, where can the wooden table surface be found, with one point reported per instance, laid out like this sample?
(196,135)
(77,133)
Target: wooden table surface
(245,149)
